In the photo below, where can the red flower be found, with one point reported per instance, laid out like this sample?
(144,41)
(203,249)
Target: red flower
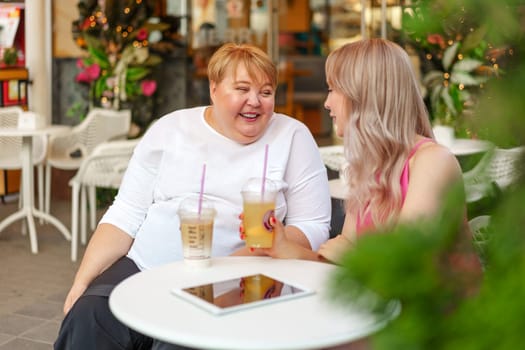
(436,39)
(86,24)
(89,74)
(142,34)
(148,87)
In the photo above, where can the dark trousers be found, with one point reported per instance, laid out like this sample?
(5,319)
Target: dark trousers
(90,325)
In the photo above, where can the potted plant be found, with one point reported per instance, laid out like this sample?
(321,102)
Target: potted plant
(457,62)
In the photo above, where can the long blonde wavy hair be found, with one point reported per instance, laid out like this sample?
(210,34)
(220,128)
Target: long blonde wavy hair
(385,112)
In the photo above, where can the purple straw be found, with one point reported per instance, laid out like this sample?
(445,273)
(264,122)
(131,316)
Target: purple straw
(265,165)
(202,187)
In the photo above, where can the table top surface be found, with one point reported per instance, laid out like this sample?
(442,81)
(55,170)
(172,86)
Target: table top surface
(337,188)
(146,303)
(49,129)
(463,147)
(333,156)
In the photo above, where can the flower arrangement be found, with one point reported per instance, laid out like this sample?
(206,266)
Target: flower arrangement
(115,76)
(118,66)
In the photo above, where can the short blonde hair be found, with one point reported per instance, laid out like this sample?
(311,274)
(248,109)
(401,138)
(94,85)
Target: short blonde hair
(230,55)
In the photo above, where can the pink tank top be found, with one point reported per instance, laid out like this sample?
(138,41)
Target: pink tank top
(367,223)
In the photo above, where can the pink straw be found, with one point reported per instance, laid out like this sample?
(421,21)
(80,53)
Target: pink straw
(265,165)
(202,187)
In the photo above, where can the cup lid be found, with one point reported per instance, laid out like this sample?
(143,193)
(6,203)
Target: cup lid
(190,205)
(254,184)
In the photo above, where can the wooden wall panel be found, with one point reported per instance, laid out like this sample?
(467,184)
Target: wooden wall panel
(64,13)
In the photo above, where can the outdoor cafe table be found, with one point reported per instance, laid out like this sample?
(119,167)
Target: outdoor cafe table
(145,303)
(28,210)
(333,156)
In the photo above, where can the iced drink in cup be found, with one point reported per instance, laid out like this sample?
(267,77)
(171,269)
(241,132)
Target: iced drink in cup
(196,230)
(258,208)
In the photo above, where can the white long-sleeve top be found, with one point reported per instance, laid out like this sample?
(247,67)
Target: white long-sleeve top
(166,167)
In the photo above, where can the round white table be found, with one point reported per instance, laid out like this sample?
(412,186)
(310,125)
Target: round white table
(333,156)
(338,189)
(28,210)
(465,147)
(145,303)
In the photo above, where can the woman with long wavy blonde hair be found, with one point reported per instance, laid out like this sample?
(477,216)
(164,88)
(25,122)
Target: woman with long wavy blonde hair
(396,171)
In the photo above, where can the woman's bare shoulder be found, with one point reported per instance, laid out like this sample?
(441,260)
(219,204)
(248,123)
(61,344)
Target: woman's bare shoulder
(434,160)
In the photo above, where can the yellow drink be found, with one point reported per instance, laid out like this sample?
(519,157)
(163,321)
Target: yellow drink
(259,233)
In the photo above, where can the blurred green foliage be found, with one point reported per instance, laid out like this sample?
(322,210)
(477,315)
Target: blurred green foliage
(410,264)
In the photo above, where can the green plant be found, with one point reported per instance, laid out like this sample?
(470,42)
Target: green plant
(10,56)
(455,87)
(408,264)
(458,59)
(117,77)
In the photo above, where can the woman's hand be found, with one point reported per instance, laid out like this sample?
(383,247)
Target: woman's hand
(280,242)
(74,293)
(282,246)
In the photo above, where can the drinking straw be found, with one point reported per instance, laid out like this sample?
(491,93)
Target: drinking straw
(265,165)
(202,187)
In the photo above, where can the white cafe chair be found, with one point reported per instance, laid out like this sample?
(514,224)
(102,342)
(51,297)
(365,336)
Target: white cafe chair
(11,147)
(104,168)
(67,151)
(498,167)
(479,226)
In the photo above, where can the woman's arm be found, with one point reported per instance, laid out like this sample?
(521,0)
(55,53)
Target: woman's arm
(286,246)
(333,249)
(307,196)
(106,246)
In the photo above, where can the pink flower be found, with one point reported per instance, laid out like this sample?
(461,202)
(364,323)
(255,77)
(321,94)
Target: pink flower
(142,34)
(89,74)
(148,87)
(436,39)
(80,63)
